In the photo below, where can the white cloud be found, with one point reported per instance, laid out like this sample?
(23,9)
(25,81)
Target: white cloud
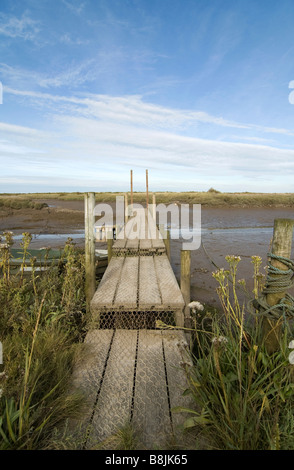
(75,7)
(70,77)
(132,109)
(25,27)
(99,138)
(19,130)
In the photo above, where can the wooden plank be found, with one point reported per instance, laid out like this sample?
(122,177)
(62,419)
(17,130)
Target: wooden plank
(110,396)
(151,411)
(168,286)
(127,290)
(105,293)
(132,244)
(119,244)
(132,240)
(155,235)
(113,410)
(177,358)
(87,375)
(149,294)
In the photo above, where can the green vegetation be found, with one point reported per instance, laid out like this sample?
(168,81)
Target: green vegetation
(210,198)
(42,325)
(20,203)
(244,395)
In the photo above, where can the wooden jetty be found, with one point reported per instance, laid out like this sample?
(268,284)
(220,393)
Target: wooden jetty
(133,372)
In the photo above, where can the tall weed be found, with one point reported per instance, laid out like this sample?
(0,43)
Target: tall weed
(244,394)
(42,323)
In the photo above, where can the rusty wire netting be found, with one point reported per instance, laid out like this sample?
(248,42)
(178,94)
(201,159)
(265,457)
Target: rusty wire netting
(133,378)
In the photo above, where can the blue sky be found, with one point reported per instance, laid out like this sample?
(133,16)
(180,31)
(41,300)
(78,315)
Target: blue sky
(195,91)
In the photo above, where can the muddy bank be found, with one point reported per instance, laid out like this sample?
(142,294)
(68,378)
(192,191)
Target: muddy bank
(225,231)
(57,217)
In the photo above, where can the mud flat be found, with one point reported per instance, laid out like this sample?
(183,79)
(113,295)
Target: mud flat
(225,231)
(242,232)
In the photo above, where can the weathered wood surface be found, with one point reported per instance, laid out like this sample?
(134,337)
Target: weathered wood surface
(127,288)
(151,416)
(139,282)
(149,292)
(90,281)
(140,235)
(133,377)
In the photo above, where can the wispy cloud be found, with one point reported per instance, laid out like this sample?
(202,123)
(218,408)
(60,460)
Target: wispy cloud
(71,77)
(24,27)
(74,6)
(67,39)
(103,135)
(134,110)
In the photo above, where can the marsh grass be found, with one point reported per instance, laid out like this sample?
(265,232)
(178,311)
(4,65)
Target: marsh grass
(243,395)
(210,198)
(125,438)
(42,324)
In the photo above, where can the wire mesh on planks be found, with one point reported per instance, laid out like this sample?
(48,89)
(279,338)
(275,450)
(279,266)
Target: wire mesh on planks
(133,378)
(136,292)
(134,319)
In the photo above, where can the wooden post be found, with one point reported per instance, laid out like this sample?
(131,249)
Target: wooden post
(147,194)
(281,246)
(186,279)
(167,243)
(162,231)
(132,196)
(90,278)
(126,208)
(154,206)
(109,248)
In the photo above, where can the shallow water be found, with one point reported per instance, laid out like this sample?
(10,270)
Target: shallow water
(224,231)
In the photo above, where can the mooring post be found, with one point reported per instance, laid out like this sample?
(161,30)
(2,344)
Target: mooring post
(132,194)
(126,208)
(281,246)
(167,243)
(90,277)
(185,283)
(109,248)
(154,206)
(147,191)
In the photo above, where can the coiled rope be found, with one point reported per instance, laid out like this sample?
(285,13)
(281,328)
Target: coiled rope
(278,280)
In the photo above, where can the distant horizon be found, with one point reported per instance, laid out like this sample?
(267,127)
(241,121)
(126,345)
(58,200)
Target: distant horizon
(144,191)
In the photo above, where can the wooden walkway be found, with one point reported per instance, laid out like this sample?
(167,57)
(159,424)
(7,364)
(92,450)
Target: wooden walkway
(132,372)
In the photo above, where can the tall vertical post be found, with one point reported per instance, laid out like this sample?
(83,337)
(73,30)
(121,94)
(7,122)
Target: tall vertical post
(147,193)
(132,196)
(154,206)
(185,282)
(109,249)
(281,246)
(90,278)
(167,243)
(126,208)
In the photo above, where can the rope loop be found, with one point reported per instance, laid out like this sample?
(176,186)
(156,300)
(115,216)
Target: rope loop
(278,280)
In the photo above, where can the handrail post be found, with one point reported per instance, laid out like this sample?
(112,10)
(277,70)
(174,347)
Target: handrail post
(90,275)
(186,280)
